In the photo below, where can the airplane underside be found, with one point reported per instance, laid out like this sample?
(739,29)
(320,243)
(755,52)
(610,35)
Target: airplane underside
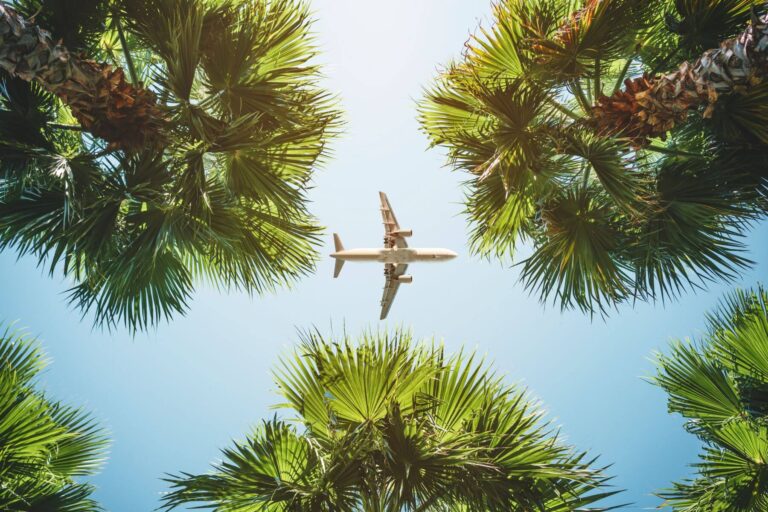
(395,255)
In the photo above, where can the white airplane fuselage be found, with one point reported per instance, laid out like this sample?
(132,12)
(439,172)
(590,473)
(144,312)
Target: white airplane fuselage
(395,255)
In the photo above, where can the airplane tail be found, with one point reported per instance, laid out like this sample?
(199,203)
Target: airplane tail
(337,242)
(337,270)
(339,262)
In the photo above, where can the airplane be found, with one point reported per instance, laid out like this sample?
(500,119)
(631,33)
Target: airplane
(395,255)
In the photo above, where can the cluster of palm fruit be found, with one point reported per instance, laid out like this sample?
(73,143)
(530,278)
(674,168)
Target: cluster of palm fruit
(96,93)
(650,107)
(196,168)
(589,136)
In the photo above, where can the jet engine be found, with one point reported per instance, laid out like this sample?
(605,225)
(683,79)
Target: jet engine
(405,279)
(403,233)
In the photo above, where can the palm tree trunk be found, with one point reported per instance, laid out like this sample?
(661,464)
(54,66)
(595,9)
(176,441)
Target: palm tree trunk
(102,101)
(649,107)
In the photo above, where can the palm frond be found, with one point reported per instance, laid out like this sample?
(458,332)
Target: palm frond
(698,387)
(719,386)
(44,445)
(535,113)
(388,423)
(577,262)
(220,196)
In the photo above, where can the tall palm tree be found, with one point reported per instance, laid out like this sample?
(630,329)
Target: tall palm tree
(44,445)
(195,169)
(719,386)
(388,425)
(619,202)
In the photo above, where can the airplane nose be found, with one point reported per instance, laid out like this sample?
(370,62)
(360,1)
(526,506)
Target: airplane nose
(450,255)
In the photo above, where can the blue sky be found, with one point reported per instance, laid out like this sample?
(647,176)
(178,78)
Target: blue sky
(172,398)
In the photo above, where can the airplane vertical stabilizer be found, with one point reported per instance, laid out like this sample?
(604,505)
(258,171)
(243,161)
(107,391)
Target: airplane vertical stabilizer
(337,242)
(339,247)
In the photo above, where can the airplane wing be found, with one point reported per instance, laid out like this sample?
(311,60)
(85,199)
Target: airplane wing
(391,285)
(390,224)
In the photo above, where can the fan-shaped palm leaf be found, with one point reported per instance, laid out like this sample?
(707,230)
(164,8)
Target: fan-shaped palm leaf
(219,195)
(612,215)
(393,425)
(719,386)
(44,445)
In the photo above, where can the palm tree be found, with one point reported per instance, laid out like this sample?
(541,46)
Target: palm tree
(622,196)
(44,445)
(196,169)
(387,424)
(719,386)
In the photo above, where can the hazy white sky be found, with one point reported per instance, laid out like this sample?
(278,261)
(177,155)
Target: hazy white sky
(173,398)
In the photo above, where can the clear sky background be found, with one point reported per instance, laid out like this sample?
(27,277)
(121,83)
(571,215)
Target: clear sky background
(172,398)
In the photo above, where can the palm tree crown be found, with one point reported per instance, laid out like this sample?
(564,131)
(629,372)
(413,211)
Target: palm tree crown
(621,193)
(719,386)
(196,169)
(44,445)
(387,424)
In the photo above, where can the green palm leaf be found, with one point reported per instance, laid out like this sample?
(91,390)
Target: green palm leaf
(611,219)
(384,423)
(220,196)
(44,445)
(719,387)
